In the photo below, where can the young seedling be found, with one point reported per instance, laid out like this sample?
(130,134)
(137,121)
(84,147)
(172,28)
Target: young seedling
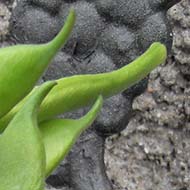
(32,144)
(22,160)
(28,154)
(81,90)
(22,65)
(60,134)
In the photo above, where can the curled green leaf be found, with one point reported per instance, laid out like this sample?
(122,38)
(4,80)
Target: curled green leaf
(60,134)
(22,65)
(22,158)
(81,90)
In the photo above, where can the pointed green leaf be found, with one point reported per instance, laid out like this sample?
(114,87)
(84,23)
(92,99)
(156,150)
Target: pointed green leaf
(22,65)
(22,153)
(81,90)
(60,134)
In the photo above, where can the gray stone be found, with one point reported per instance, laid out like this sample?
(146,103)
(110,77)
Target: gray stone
(154,29)
(155,146)
(120,44)
(4,21)
(87,29)
(179,17)
(53,5)
(131,12)
(39,25)
(169,75)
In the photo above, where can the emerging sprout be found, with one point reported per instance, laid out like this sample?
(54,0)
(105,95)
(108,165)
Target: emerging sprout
(81,90)
(32,144)
(22,65)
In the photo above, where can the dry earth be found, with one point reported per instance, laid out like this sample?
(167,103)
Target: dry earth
(153,152)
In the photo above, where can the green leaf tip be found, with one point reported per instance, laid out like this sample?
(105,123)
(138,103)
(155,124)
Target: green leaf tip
(94,111)
(160,49)
(22,160)
(65,32)
(78,91)
(21,66)
(60,134)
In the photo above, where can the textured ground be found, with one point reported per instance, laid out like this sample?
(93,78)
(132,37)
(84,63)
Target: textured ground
(153,152)
(4,21)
